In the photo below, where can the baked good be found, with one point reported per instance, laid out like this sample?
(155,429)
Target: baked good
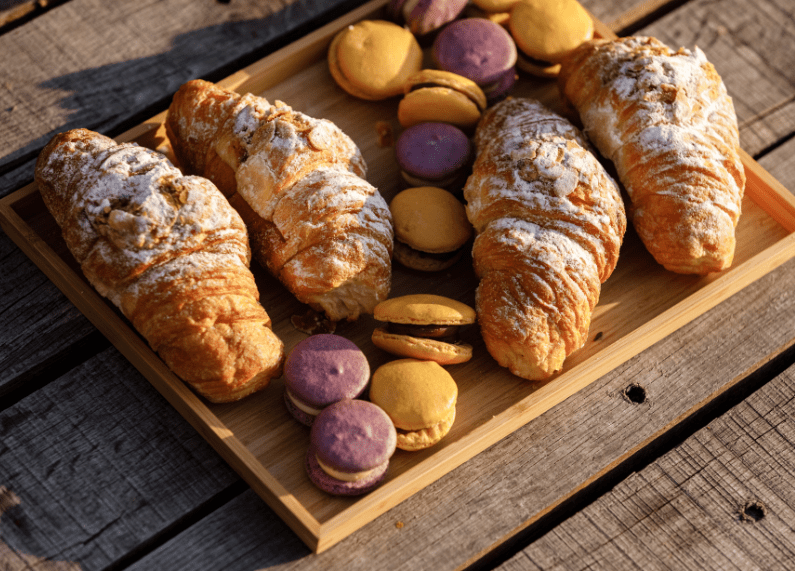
(434,154)
(321,370)
(350,445)
(420,397)
(170,253)
(478,49)
(549,224)
(437,96)
(422,17)
(424,326)
(315,223)
(666,121)
(431,228)
(372,59)
(545,32)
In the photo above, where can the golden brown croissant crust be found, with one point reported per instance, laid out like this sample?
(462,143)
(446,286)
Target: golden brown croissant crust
(298,182)
(549,223)
(170,252)
(665,120)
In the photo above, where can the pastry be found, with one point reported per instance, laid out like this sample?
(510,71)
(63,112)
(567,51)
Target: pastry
(321,370)
(372,59)
(545,32)
(351,443)
(424,326)
(315,223)
(422,17)
(431,228)
(420,397)
(170,253)
(666,121)
(478,49)
(549,224)
(434,154)
(437,96)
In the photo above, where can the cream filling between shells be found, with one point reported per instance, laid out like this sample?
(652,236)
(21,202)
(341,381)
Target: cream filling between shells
(346,476)
(301,406)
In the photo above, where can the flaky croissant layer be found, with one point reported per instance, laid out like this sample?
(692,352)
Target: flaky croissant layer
(315,222)
(170,252)
(666,121)
(550,222)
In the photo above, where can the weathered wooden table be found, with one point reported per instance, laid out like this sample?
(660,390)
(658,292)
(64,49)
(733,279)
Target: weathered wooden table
(682,457)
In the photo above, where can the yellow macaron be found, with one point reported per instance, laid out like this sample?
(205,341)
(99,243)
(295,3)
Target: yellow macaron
(372,59)
(424,326)
(441,96)
(431,228)
(546,32)
(420,398)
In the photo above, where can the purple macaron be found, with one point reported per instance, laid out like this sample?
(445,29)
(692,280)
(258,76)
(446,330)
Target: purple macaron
(350,445)
(425,16)
(433,154)
(321,370)
(476,48)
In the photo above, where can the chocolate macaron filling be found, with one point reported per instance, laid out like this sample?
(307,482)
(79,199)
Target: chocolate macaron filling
(446,333)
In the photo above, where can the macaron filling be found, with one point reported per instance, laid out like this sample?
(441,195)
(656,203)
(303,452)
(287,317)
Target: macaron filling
(349,476)
(430,85)
(446,333)
(301,405)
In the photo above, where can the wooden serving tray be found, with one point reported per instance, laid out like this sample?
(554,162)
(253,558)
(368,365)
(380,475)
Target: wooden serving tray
(640,304)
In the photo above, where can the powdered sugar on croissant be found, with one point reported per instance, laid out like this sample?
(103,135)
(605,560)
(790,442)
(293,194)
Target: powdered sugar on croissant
(298,182)
(666,121)
(170,252)
(549,223)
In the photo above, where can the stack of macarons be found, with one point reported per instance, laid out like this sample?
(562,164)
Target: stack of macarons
(431,228)
(351,439)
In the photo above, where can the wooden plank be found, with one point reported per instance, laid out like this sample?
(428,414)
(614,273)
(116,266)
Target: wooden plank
(723,499)
(101,465)
(121,60)
(517,481)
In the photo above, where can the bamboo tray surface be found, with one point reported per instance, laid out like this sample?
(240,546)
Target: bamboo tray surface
(640,304)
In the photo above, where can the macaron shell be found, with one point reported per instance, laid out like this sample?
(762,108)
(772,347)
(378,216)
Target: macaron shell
(339,76)
(336,487)
(433,151)
(416,394)
(424,309)
(441,78)
(353,436)
(430,219)
(476,48)
(495,5)
(422,261)
(549,30)
(376,57)
(424,16)
(325,368)
(414,440)
(421,347)
(441,104)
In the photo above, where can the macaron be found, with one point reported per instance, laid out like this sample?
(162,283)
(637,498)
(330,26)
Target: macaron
(476,48)
(350,445)
(431,228)
(546,32)
(424,326)
(422,17)
(437,96)
(420,398)
(434,154)
(321,370)
(372,59)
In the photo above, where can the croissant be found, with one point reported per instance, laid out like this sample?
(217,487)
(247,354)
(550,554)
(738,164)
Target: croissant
(170,252)
(665,120)
(549,225)
(315,222)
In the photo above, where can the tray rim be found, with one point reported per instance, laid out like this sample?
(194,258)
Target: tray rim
(765,190)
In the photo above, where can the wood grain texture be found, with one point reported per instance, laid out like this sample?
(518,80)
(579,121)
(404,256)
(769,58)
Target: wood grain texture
(120,59)
(101,465)
(723,499)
